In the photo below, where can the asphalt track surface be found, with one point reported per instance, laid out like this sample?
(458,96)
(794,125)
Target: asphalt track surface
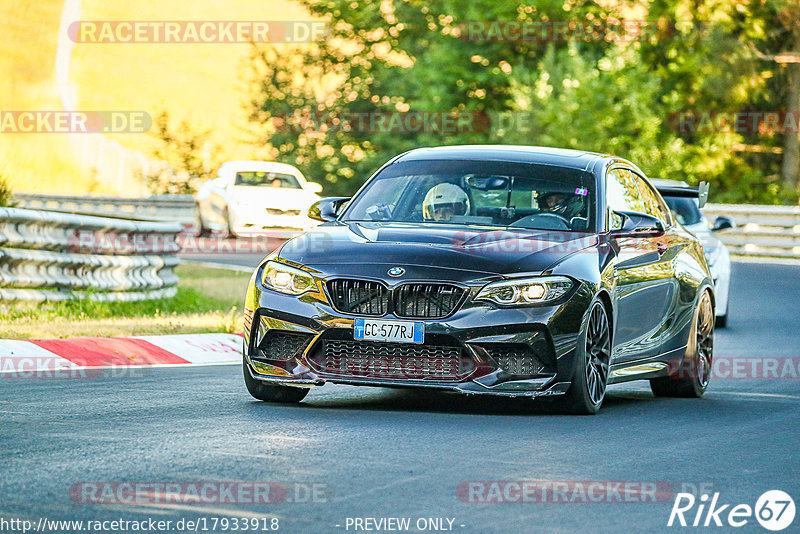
(400,453)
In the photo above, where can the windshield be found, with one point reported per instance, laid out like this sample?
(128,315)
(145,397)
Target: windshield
(486,193)
(269,179)
(684,210)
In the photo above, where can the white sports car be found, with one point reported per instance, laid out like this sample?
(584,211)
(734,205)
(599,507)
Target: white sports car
(686,211)
(250,198)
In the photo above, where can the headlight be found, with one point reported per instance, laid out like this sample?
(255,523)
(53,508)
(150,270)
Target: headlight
(526,291)
(285,279)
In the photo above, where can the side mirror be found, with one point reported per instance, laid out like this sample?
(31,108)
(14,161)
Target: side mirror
(635,224)
(722,223)
(326,209)
(313,187)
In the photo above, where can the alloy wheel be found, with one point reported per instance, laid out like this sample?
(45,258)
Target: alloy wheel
(704,338)
(598,354)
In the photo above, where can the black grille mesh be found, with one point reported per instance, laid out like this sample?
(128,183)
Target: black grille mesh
(363,297)
(342,358)
(518,360)
(282,345)
(426,300)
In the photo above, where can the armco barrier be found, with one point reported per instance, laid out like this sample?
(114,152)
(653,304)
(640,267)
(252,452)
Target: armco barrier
(765,231)
(58,256)
(172,208)
(762,231)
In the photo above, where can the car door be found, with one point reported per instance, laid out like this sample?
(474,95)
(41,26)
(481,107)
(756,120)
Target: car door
(644,284)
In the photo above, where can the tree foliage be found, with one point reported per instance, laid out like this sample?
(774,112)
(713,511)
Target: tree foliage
(181,151)
(604,94)
(6,198)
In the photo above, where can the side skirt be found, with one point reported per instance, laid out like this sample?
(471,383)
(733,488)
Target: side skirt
(655,367)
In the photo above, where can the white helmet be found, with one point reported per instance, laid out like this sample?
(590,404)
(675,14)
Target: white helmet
(445,196)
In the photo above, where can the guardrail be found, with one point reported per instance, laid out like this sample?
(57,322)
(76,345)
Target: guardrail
(763,231)
(172,208)
(48,256)
(767,231)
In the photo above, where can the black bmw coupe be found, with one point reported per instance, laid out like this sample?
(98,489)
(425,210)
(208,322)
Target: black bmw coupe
(501,270)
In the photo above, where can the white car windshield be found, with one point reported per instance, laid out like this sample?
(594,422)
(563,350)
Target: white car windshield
(685,210)
(267,179)
(486,193)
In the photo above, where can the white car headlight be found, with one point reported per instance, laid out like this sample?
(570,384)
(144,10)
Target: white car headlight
(526,291)
(285,279)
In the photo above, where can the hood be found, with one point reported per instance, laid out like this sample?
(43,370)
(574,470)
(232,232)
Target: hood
(366,248)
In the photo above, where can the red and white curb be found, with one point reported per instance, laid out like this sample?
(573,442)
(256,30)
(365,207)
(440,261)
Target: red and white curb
(98,353)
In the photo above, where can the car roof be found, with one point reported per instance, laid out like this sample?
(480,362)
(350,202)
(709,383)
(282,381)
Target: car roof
(562,157)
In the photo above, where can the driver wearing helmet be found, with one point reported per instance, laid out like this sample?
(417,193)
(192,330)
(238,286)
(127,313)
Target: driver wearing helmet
(443,201)
(559,203)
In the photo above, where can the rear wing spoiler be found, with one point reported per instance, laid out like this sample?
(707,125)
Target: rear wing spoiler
(700,192)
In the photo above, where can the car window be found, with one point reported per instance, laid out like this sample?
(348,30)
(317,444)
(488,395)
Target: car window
(622,194)
(651,204)
(487,193)
(267,179)
(684,210)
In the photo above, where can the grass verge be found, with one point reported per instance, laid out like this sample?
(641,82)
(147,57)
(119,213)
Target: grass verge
(208,300)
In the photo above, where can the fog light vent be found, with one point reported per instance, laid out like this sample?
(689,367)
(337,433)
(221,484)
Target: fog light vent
(282,345)
(516,360)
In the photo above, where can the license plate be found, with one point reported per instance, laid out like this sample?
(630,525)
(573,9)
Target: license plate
(396,331)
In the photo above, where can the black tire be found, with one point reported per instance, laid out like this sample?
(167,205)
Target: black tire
(592,359)
(690,378)
(268,393)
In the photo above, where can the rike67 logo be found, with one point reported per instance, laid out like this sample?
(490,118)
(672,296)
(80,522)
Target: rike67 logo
(774,510)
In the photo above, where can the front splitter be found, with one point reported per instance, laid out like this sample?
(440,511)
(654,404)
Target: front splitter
(487,385)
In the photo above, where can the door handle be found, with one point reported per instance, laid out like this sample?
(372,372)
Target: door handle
(661,248)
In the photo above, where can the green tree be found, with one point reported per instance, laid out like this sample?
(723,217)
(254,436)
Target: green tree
(386,57)
(713,62)
(6,198)
(604,95)
(181,151)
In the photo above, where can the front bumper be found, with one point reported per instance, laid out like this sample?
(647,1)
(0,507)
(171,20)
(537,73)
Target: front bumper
(481,335)
(259,222)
